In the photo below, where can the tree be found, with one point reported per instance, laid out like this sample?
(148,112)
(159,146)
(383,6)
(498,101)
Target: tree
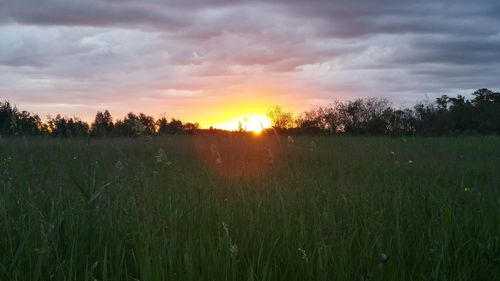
(67,127)
(103,124)
(162,125)
(15,122)
(363,116)
(175,126)
(130,126)
(280,119)
(148,122)
(312,121)
(191,128)
(7,118)
(487,110)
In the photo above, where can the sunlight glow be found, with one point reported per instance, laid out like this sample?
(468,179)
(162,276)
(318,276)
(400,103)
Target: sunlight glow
(252,122)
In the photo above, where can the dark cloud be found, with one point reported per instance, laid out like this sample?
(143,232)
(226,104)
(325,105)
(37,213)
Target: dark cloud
(106,51)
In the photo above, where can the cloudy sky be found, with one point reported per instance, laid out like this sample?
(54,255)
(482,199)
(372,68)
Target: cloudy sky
(209,60)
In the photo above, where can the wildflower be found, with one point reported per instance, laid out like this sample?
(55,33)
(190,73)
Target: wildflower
(303,252)
(383,257)
(226,228)
(290,141)
(409,162)
(466,189)
(119,165)
(392,152)
(233,250)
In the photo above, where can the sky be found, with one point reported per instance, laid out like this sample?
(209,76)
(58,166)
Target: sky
(213,60)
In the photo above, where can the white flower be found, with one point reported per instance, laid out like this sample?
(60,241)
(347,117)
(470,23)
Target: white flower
(119,165)
(233,250)
(161,157)
(226,228)
(303,252)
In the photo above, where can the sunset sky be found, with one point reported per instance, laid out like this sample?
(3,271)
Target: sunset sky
(212,61)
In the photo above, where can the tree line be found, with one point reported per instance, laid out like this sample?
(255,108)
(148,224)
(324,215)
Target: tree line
(363,116)
(376,116)
(14,122)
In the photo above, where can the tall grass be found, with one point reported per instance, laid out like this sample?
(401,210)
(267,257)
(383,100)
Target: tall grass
(256,209)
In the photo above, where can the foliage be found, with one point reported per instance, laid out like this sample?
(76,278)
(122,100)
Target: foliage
(363,116)
(375,116)
(103,124)
(67,127)
(280,119)
(15,122)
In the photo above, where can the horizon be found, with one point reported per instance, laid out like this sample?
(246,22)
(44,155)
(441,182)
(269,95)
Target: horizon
(216,62)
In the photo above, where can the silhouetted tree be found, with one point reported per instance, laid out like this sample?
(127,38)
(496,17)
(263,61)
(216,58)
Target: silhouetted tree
(191,128)
(447,115)
(312,121)
(175,126)
(15,122)
(130,126)
(364,116)
(280,120)
(487,110)
(67,127)
(162,125)
(102,125)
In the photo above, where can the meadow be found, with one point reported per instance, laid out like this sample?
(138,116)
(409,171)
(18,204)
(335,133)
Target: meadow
(250,208)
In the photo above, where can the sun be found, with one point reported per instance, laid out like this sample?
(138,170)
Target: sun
(252,122)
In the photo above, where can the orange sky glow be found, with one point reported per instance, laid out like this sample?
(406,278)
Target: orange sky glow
(218,63)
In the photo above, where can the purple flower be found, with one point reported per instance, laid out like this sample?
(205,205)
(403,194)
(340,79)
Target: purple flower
(383,257)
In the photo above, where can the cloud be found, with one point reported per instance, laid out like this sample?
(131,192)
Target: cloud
(128,55)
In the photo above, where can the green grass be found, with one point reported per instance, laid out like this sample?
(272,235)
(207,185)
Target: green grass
(318,209)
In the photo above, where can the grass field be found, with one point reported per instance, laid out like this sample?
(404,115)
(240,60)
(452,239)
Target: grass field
(250,208)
